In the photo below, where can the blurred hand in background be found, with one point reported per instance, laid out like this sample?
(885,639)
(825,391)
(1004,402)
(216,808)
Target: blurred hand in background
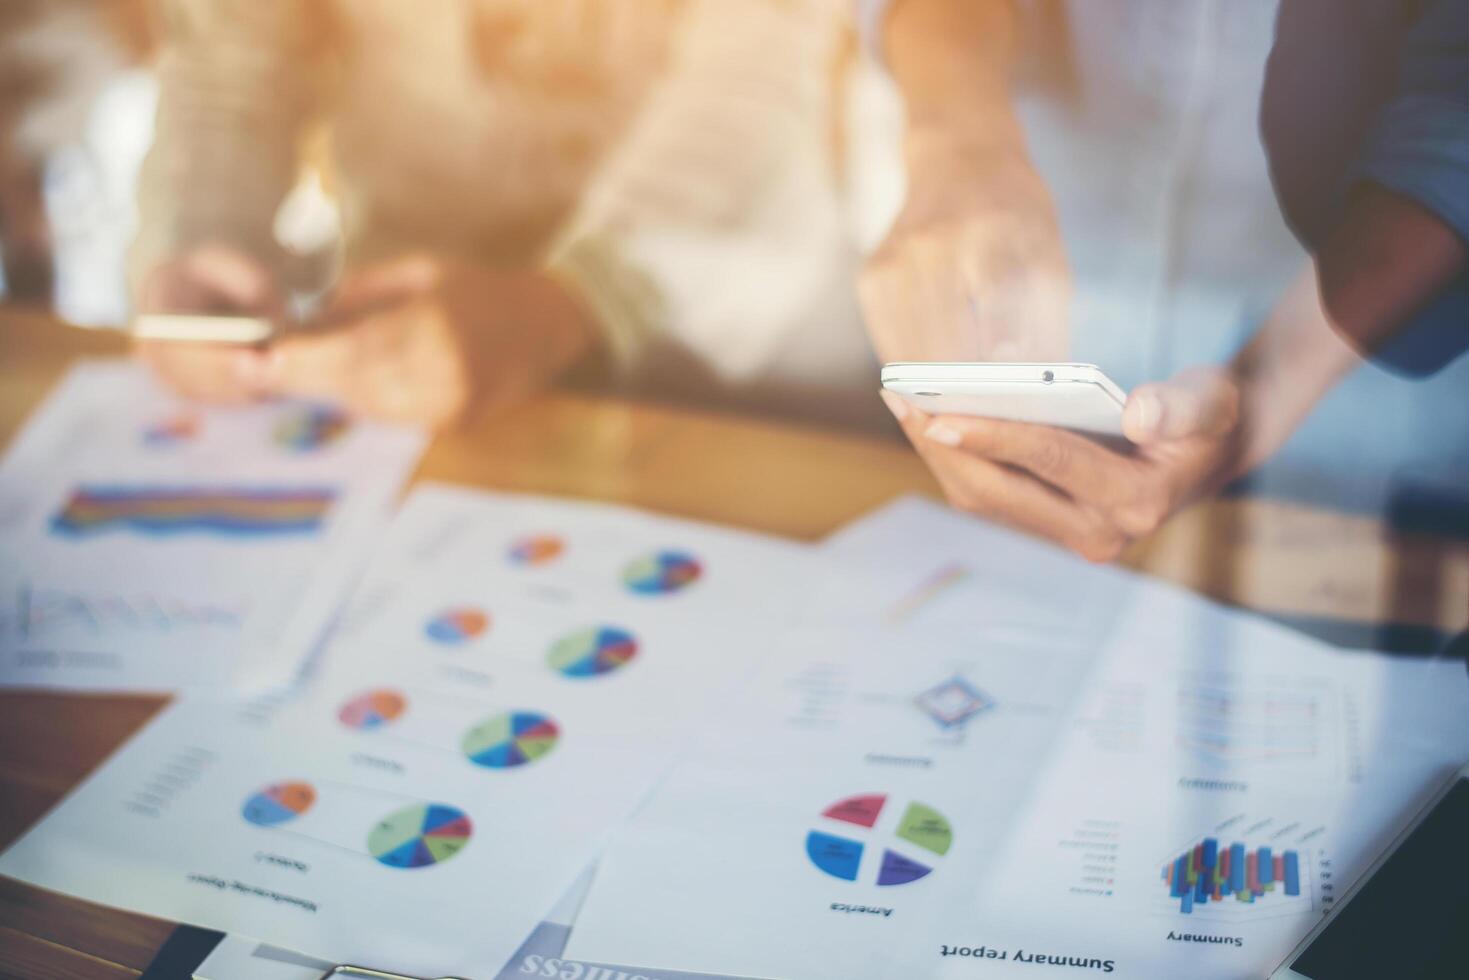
(424,340)
(418,339)
(210,279)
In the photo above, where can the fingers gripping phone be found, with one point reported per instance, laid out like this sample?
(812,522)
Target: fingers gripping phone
(1070,396)
(1407,917)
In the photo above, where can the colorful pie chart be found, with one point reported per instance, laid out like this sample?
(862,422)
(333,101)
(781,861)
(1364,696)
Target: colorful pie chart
(592,652)
(515,738)
(421,835)
(373,709)
(909,843)
(536,549)
(279,803)
(307,428)
(454,626)
(661,573)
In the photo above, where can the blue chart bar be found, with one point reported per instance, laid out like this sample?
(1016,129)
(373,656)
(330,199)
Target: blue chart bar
(1236,868)
(1292,874)
(1208,873)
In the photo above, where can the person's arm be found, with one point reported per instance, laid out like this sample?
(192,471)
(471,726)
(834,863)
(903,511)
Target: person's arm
(952,60)
(974,267)
(681,206)
(1388,258)
(237,82)
(1365,118)
(238,79)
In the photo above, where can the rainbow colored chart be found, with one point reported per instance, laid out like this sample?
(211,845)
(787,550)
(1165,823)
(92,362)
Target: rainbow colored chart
(279,803)
(169,510)
(1208,873)
(920,831)
(172,430)
(373,709)
(455,626)
(307,428)
(662,572)
(592,652)
(515,738)
(536,549)
(420,835)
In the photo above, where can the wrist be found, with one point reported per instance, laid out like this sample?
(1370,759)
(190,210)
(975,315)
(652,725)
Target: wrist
(517,324)
(984,151)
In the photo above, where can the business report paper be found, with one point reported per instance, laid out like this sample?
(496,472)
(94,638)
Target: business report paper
(1218,784)
(513,677)
(541,955)
(851,794)
(147,543)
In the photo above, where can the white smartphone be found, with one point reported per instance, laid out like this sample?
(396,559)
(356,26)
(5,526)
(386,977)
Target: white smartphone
(1071,396)
(194,328)
(1408,915)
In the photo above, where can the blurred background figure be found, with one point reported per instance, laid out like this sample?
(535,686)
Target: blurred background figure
(681,196)
(66,66)
(1365,116)
(1091,175)
(670,186)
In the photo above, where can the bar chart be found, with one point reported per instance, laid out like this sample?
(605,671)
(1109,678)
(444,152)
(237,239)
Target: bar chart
(1247,868)
(1209,872)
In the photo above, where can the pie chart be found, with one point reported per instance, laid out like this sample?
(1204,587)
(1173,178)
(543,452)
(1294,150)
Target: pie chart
(454,626)
(536,549)
(310,427)
(904,846)
(515,738)
(421,835)
(592,652)
(279,803)
(373,709)
(661,573)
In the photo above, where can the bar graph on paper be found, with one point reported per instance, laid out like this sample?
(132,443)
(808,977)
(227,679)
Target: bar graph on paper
(1249,867)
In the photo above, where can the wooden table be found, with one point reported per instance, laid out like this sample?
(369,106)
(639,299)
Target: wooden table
(785,479)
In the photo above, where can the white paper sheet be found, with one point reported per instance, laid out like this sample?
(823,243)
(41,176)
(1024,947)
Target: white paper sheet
(241,958)
(850,796)
(765,852)
(534,701)
(1321,762)
(150,544)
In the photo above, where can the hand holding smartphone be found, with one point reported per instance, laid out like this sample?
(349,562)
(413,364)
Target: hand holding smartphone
(219,295)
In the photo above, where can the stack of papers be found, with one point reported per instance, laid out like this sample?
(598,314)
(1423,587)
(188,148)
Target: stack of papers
(509,683)
(149,544)
(1178,791)
(929,747)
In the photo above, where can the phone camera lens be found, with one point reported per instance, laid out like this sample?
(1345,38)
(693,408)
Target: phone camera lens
(1048,376)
